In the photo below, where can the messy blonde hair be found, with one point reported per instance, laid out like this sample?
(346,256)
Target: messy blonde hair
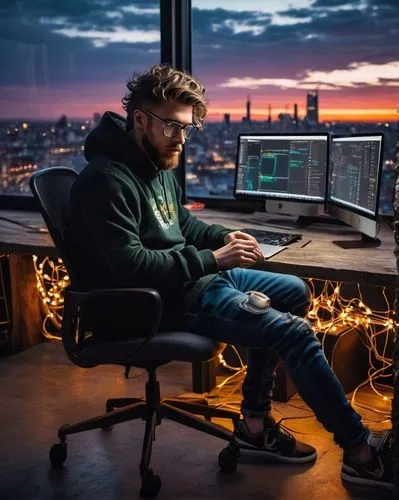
(161,84)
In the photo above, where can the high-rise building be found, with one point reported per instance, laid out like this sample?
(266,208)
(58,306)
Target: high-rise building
(227,119)
(312,107)
(295,120)
(269,118)
(248,110)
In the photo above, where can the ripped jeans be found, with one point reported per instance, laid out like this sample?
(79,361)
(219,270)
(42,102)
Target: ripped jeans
(279,332)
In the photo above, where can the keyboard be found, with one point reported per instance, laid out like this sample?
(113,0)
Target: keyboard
(272,237)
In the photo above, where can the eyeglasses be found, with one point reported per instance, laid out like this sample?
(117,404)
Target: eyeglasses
(172,129)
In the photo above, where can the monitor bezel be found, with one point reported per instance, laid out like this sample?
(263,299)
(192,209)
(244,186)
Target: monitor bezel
(344,206)
(264,196)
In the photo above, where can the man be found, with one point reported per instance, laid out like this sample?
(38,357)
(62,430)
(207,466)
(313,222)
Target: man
(128,228)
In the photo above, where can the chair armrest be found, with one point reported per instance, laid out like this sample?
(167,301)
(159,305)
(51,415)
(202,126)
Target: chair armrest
(138,308)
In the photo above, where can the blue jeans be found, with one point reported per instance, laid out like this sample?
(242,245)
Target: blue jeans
(280,331)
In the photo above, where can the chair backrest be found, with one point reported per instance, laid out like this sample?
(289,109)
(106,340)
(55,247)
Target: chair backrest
(51,188)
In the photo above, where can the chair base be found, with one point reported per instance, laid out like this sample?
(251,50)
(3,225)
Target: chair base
(152,409)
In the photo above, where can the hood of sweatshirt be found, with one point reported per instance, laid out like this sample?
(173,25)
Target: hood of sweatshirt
(110,139)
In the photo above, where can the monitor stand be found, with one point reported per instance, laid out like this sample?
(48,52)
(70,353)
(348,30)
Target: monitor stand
(301,221)
(286,222)
(364,242)
(291,215)
(294,215)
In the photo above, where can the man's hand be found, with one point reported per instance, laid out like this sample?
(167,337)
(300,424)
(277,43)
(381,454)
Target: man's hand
(238,235)
(241,250)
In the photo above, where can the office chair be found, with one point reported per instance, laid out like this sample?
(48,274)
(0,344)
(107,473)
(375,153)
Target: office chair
(146,347)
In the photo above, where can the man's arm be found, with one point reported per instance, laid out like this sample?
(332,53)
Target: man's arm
(113,225)
(197,232)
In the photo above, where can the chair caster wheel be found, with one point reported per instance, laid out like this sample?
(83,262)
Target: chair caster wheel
(58,455)
(150,485)
(228,458)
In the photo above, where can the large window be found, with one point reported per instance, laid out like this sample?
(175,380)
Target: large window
(291,65)
(63,64)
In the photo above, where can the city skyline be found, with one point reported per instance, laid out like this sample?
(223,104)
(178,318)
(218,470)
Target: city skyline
(75,59)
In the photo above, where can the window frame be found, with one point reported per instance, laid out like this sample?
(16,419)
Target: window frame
(179,42)
(176,50)
(28,203)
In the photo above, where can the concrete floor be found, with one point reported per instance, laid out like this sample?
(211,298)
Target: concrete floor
(41,390)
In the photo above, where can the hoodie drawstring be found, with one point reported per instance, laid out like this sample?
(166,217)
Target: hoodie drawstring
(162,180)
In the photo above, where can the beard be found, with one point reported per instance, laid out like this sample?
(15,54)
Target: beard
(162,161)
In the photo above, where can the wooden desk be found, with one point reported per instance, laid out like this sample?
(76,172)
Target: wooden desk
(319,259)
(20,243)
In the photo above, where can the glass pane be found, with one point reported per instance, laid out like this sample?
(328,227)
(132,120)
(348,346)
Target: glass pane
(63,64)
(291,65)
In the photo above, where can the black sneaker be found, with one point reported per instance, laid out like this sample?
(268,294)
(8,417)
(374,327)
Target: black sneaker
(273,442)
(375,472)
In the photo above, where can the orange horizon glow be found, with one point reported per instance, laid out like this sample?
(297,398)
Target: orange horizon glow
(81,103)
(325,114)
(354,115)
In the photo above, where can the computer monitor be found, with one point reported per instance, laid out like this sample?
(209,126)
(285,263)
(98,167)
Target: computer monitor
(354,184)
(287,170)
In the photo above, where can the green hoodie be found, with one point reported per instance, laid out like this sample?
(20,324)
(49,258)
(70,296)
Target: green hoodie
(128,227)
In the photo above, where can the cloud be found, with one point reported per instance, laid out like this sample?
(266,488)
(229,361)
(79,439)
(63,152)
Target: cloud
(82,14)
(102,38)
(71,8)
(143,11)
(282,83)
(325,41)
(297,13)
(391,4)
(56,43)
(239,27)
(356,75)
(101,42)
(227,22)
(335,3)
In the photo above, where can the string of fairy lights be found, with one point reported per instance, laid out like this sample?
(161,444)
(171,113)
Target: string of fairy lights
(51,280)
(329,313)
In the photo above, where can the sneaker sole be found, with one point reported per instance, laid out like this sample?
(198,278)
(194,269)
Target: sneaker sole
(244,450)
(366,482)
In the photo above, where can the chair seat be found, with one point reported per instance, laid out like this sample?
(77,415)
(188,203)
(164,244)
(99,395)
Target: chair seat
(164,347)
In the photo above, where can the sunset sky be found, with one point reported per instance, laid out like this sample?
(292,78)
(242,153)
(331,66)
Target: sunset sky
(74,57)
